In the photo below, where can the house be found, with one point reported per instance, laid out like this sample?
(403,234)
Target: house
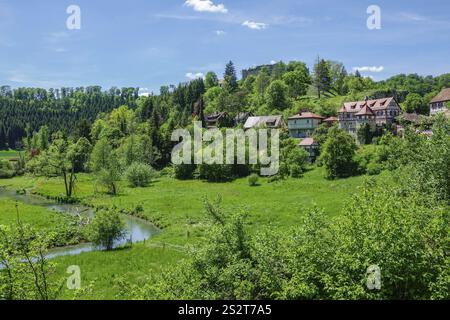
(312,147)
(271,122)
(217,120)
(376,113)
(302,125)
(331,121)
(439,103)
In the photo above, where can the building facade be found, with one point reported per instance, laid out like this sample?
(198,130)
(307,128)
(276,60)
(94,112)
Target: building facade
(312,147)
(439,103)
(302,125)
(376,113)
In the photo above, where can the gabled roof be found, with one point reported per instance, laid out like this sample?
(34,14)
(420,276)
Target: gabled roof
(443,96)
(366,111)
(375,105)
(331,119)
(264,121)
(306,115)
(215,116)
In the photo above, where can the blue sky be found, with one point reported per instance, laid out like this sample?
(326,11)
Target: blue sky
(149,43)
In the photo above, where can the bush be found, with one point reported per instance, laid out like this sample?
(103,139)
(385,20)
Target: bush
(106,228)
(139,175)
(216,172)
(294,159)
(253,180)
(184,171)
(6,170)
(374,168)
(337,154)
(368,160)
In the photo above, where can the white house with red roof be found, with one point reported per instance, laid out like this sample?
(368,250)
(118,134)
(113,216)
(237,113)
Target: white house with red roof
(439,103)
(376,112)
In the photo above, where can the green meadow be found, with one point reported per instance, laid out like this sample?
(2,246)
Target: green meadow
(8,154)
(178,207)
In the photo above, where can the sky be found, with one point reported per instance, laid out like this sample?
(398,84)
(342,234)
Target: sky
(149,43)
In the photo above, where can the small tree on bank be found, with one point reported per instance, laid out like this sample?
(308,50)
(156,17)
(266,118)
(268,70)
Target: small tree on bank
(107,228)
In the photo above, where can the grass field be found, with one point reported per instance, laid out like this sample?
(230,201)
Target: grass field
(8,154)
(178,206)
(101,270)
(38,217)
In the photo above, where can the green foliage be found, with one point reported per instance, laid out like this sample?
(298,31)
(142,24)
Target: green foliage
(184,171)
(6,169)
(253,180)
(369,160)
(105,164)
(322,77)
(230,78)
(337,154)
(415,103)
(297,80)
(107,228)
(211,80)
(293,159)
(26,272)
(216,172)
(403,234)
(365,134)
(277,96)
(63,158)
(139,174)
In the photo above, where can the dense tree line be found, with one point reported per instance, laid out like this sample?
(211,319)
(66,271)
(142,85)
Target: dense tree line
(59,109)
(285,89)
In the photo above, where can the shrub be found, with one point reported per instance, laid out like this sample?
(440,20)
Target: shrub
(139,175)
(6,169)
(337,154)
(216,172)
(374,168)
(106,228)
(253,180)
(184,171)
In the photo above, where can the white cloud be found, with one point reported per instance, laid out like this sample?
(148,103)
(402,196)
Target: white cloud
(206,6)
(144,92)
(412,16)
(220,32)
(255,25)
(273,62)
(194,76)
(369,69)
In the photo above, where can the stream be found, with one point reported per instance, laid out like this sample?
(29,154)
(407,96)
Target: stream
(137,229)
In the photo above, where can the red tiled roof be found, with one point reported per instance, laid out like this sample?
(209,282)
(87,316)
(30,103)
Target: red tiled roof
(366,111)
(331,119)
(306,115)
(375,105)
(443,96)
